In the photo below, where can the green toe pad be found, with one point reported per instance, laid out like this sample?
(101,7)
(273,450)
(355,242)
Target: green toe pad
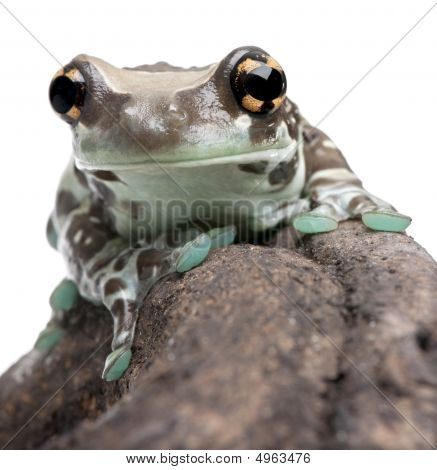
(49,338)
(308,223)
(386,221)
(222,236)
(65,296)
(193,253)
(116,364)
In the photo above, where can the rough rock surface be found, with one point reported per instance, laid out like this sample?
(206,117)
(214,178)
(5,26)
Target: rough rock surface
(332,344)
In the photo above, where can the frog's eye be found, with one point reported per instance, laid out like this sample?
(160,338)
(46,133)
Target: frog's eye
(67,93)
(258,82)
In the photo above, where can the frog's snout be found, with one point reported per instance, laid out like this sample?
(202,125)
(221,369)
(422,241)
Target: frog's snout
(67,93)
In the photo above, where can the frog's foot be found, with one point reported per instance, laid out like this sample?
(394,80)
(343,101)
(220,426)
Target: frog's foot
(125,316)
(377,214)
(116,364)
(49,338)
(123,289)
(193,252)
(386,220)
(343,202)
(311,222)
(63,298)
(222,236)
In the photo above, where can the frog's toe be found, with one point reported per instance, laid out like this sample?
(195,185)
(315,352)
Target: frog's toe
(193,253)
(314,223)
(49,338)
(386,220)
(222,236)
(116,364)
(65,296)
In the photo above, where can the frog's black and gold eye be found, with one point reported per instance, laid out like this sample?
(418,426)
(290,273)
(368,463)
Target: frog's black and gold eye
(258,82)
(67,93)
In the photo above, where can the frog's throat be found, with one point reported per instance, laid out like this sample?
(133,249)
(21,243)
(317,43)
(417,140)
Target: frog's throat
(272,155)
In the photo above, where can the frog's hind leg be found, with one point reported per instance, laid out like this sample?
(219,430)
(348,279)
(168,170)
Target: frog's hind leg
(126,284)
(64,297)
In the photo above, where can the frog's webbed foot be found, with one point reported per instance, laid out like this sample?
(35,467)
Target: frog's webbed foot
(380,218)
(196,250)
(334,207)
(117,363)
(49,337)
(64,297)
(384,219)
(192,253)
(222,236)
(315,221)
(132,275)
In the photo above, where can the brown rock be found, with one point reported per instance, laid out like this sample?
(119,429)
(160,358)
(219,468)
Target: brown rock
(330,345)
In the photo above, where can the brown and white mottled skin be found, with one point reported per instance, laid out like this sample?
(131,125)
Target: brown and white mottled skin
(150,139)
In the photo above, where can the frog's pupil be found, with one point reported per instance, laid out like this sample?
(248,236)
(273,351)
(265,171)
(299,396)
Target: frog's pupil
(264,83)
(63,94)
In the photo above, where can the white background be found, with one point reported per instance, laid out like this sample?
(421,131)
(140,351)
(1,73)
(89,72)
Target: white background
(386,127)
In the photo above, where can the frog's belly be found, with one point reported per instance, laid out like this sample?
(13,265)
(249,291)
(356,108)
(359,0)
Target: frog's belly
(155,200)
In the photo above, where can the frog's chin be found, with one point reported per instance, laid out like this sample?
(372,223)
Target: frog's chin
(272,155)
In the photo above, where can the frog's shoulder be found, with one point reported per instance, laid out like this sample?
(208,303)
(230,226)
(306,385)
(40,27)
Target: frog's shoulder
(164,67)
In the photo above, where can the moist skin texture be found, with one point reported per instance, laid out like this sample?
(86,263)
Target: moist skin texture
(171,163)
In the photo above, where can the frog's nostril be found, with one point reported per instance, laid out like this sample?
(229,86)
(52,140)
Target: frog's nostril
(67,93)
(178,116)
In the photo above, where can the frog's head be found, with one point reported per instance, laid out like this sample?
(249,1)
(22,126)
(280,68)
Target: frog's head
(235,110)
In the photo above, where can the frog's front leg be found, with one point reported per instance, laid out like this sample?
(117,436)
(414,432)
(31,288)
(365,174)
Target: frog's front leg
(120,282)
(128,279)
(337,194)
(132,273)
(107,269)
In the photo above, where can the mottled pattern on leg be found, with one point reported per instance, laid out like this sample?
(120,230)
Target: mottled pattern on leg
(122,288)
(72,191)
(320,151)
(104,266)
(127,279)
(285,212)
(336,193)
(51,233)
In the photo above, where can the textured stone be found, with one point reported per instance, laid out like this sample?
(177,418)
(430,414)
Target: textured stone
(329,345)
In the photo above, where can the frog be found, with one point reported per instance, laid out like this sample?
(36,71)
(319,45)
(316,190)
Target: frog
(151,139)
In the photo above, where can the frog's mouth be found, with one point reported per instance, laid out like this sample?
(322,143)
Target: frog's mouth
(273,156)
